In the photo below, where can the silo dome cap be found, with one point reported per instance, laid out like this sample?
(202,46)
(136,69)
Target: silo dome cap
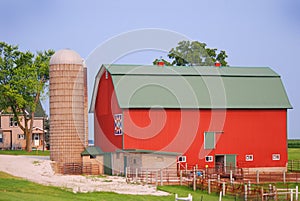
(66,56)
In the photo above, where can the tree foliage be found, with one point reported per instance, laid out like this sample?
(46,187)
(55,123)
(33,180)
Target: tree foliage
(195,53)
(23,79)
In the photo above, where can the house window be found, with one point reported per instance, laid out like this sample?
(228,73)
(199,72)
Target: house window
(118,155)
(209,159)
(13,122)
(21,136)
(181,159)
(209,140)
(249,158)
(1,137)
(275,157)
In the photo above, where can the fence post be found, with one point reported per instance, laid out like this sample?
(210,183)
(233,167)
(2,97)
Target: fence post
(231,178)
(136,173)
(156,178)
(270,189)
(296,198)
(246,191)
(194,179)
(284,179)
(161,178)
(262,193)
(275,193)
(180,177)
(257,176)
(220,196)
(249,186)
(223,188)
(291,194)
(209,190)
(146,176)
(126,175)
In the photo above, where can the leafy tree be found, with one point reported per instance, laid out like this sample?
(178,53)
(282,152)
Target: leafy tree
(195,53)
(23,79)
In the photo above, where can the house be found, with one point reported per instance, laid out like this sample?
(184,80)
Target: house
(205,116)
(12,136)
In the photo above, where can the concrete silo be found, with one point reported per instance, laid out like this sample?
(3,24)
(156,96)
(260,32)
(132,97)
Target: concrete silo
(68,129)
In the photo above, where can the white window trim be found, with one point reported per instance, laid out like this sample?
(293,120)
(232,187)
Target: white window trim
(209,158)
(181,159)
(249,157)
(275,157)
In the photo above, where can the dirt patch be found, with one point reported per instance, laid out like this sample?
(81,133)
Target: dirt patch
(38,169)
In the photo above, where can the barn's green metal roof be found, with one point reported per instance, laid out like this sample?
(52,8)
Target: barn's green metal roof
(197,87)
(116,69)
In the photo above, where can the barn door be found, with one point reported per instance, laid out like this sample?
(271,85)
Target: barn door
(230,162)
(107,164)
(125,164)
(219,163)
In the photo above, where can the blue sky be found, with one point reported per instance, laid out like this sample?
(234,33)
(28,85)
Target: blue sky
(253,33)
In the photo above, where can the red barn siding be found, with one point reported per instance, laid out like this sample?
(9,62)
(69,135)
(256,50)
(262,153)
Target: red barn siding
(245,132)
(259,132)
(105,109)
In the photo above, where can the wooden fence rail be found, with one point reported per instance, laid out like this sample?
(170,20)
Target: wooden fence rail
(245,187)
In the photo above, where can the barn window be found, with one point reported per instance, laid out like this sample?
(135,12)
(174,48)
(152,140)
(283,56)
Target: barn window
(249,158)
(182,159)
(275,157)
(209,159)
(209,140)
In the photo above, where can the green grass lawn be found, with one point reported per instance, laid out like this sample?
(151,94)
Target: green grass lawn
(294,153)
(23,152)
(13,188)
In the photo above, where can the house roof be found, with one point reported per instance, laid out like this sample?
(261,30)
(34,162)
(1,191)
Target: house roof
(39,111)
(92,151)
(190,87)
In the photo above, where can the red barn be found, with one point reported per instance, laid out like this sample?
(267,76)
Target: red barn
(210,116)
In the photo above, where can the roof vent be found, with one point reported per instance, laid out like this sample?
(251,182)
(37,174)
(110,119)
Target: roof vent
(217,64)
(160,62)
